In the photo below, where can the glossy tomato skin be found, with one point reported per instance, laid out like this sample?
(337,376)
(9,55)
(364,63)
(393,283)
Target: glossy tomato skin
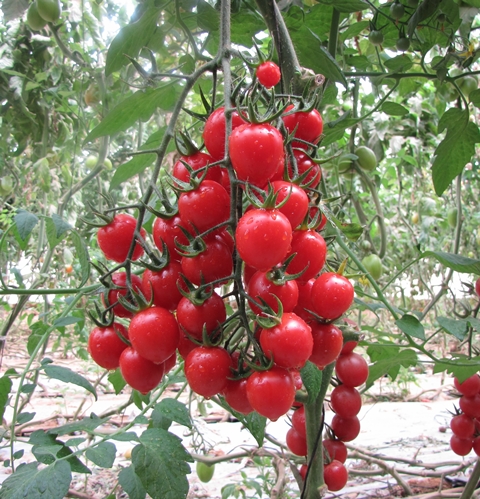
(327,344)
(469,387)
(304,164)
(115,238)
(299,422)
(154,334)
(477,287)
(296,206)
(196,161)
(163,283)
(309,126)
(311,254)
(462,426)
(296,443)
(263,238)
(335,475)
(214,132)
(194,318)
(204,207)
(49,10)
(304,300)
(351,369)
(268,74)
(119,279)
(345,429)
(470,405)
(256,152)
(260,287)
(271,393)
(461,446)
(332,295)
(335,449)
(105,345)
(345,401)
(140,373)
(289,343)
(235,394)
(169,231)
(207,370)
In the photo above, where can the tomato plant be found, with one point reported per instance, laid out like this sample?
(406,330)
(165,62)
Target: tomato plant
(268,74)
(50,10)
(332,294)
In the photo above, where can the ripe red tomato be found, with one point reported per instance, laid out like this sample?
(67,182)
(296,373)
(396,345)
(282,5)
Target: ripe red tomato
(169,230)
(185,345)
(260,286)
(345,401)
(207,370)
(311,254)
(105,345)
(332,295)
(351,369)
(308,126)
(305,163)
(271,393)
(477,286)
(469,387)
(345,429)
(140,373)
(296,443)
(335,475)
(348,347)
(268,74)
(164,284)
(263,238)
(214,132)
(476,445)
(196,161)
(327,344)
(154,334)
(289,343)
(461,446)
(194,318)
(303,471)
(335,449)
(256,152)
(115,238)
(235,394)
(212,264)
(462,426)
(296,206)
(298,421)
(470,405)
(304,300)
(119,279)
(204,207)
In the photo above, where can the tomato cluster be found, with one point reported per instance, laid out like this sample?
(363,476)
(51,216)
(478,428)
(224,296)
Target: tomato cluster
(234,282)
(465,425)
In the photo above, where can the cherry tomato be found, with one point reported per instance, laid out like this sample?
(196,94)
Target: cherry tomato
(477,286)
(235,394)
(298,421)
(205,471)
(261,288)
(214,132)
(154,334)
(311,254)
(348,347)
(304,300)
(169,230)
(335,449)
(470,405)
(345,401)
(119,279)
(105,345)
(49,10)
(207,370)
(335,475)
(263,238)
(345,429)
(332,295)
(461,446)
(352,369)
(327,344)
(115,238)
(196,161)
(271,393)
(268,74)
(204,207)
(289,343)
(296,443)
(469,387)
(164,284)
(462,426)
(252,145)
(308,126)
(296,204)
(140,373)
(304,164)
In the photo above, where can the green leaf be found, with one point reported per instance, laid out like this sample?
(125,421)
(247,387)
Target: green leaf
(84,425)
(411,326)
(138,163)
(128,436)
(461,367)
(5,387)
(389,363)
(56,228)
(132,38)
(66,321)
(347,6)
(68,376)
(394,109)
(39,329)
(102,455)
(458,263)
(160,462)
(208,18)
(256,425)
(456,327)
(354,30)
(475,97)
(426,9)
(25,222)
(131,483)
(24,417)
(139,106)
(29,482)
(117,381)
(81,252)
(173,410)
(474,323)
(400,63)
(456,149)
(312,379)
(13,9)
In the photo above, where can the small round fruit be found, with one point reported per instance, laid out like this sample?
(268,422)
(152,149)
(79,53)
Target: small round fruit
(373,264)
(268,74)
(138,372)
(34,19)
(50,10)
(92,95)
(477,287)
(452,215)
(105,345)
(366,158)
(376,37)
(402,44)
(335,475)
(397,10)
(332,295)
(205,471)
(415,218)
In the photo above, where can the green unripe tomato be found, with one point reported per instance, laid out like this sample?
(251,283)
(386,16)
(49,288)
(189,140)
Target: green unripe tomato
(415,218)
(91,162)
(373,264)
(50,10)
(345,163)
(107,164)
(468,85)
(34,19)
(452,217)
(366,158)
(366,245)
(397,10)
(402,44)
(6,185)
(376,37)
(205,471)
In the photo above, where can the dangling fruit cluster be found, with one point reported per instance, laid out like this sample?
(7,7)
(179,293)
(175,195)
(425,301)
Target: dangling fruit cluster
(465,425)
